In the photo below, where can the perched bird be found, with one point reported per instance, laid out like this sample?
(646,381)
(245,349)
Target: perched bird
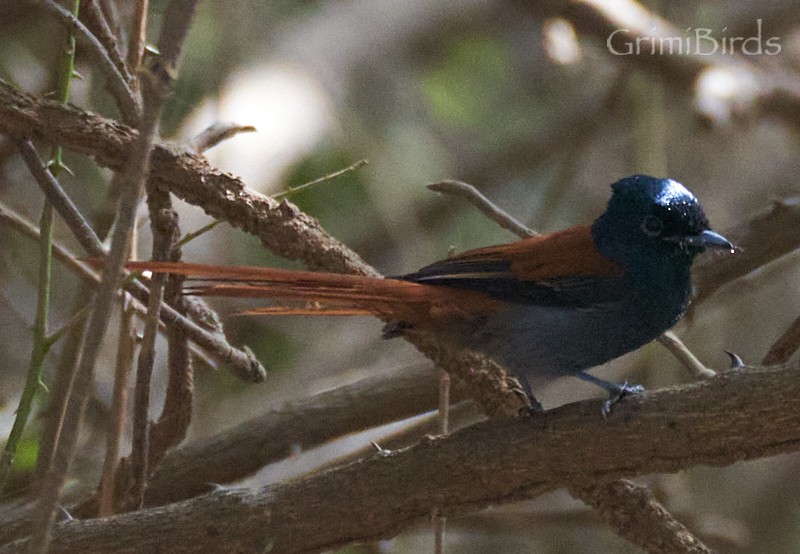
(545,307)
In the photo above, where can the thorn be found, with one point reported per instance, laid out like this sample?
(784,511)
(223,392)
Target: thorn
(77,75)
(382,452)
(216,487)
(429,439)
(736,361)
(66,515)
(43,386)
(60,165)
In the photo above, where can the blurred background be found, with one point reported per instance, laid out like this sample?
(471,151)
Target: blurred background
(518,100)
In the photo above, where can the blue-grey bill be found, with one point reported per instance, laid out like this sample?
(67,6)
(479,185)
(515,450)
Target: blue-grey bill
(709,239)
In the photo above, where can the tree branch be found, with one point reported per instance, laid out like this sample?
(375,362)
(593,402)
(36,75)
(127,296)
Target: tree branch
(656,530)
(244,449)
(242,362)
(498,461)
(115,81)
(761,239)
(280,226)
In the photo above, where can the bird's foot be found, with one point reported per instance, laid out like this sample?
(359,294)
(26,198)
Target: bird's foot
(533,408)
(618,392)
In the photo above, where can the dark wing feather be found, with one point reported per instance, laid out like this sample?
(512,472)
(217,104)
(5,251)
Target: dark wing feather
(560,270)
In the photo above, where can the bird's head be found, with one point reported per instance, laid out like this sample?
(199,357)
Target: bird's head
(647,216)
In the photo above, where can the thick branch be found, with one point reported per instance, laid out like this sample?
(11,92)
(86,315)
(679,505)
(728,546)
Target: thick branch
(656,529)
(497,461)
(192,469)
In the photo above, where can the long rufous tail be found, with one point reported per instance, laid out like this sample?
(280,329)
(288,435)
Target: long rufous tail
(324,293)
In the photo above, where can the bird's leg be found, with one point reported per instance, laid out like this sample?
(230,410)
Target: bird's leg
(616,390)
(535,407)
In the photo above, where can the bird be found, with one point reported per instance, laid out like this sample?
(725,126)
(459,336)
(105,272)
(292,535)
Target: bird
(543,307)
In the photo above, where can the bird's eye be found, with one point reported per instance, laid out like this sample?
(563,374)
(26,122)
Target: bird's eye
(652,226)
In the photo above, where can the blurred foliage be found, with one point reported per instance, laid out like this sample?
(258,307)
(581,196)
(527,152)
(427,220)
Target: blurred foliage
(469,82)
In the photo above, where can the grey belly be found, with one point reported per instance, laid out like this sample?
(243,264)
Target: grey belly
(545,343)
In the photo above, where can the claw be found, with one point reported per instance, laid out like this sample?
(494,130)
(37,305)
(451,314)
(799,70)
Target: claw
(617,394)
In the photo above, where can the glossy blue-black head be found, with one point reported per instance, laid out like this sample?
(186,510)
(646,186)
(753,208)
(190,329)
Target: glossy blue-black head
(649,217)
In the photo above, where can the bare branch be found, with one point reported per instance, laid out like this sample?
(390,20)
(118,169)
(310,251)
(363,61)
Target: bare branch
(280,226)
(656,531)
(290,191)
(498,461)
(786,345)
(238,452)
(135,173)
(685,356)
(759,240)
(115,81)
(218,132)
(242,362)
(63,204)
(156,81)
(119,402)
(96,19)
(173,423)
(138,35)
(486,206)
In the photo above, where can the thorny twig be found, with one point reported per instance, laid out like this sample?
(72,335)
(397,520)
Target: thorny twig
(117,83)
(242,362)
